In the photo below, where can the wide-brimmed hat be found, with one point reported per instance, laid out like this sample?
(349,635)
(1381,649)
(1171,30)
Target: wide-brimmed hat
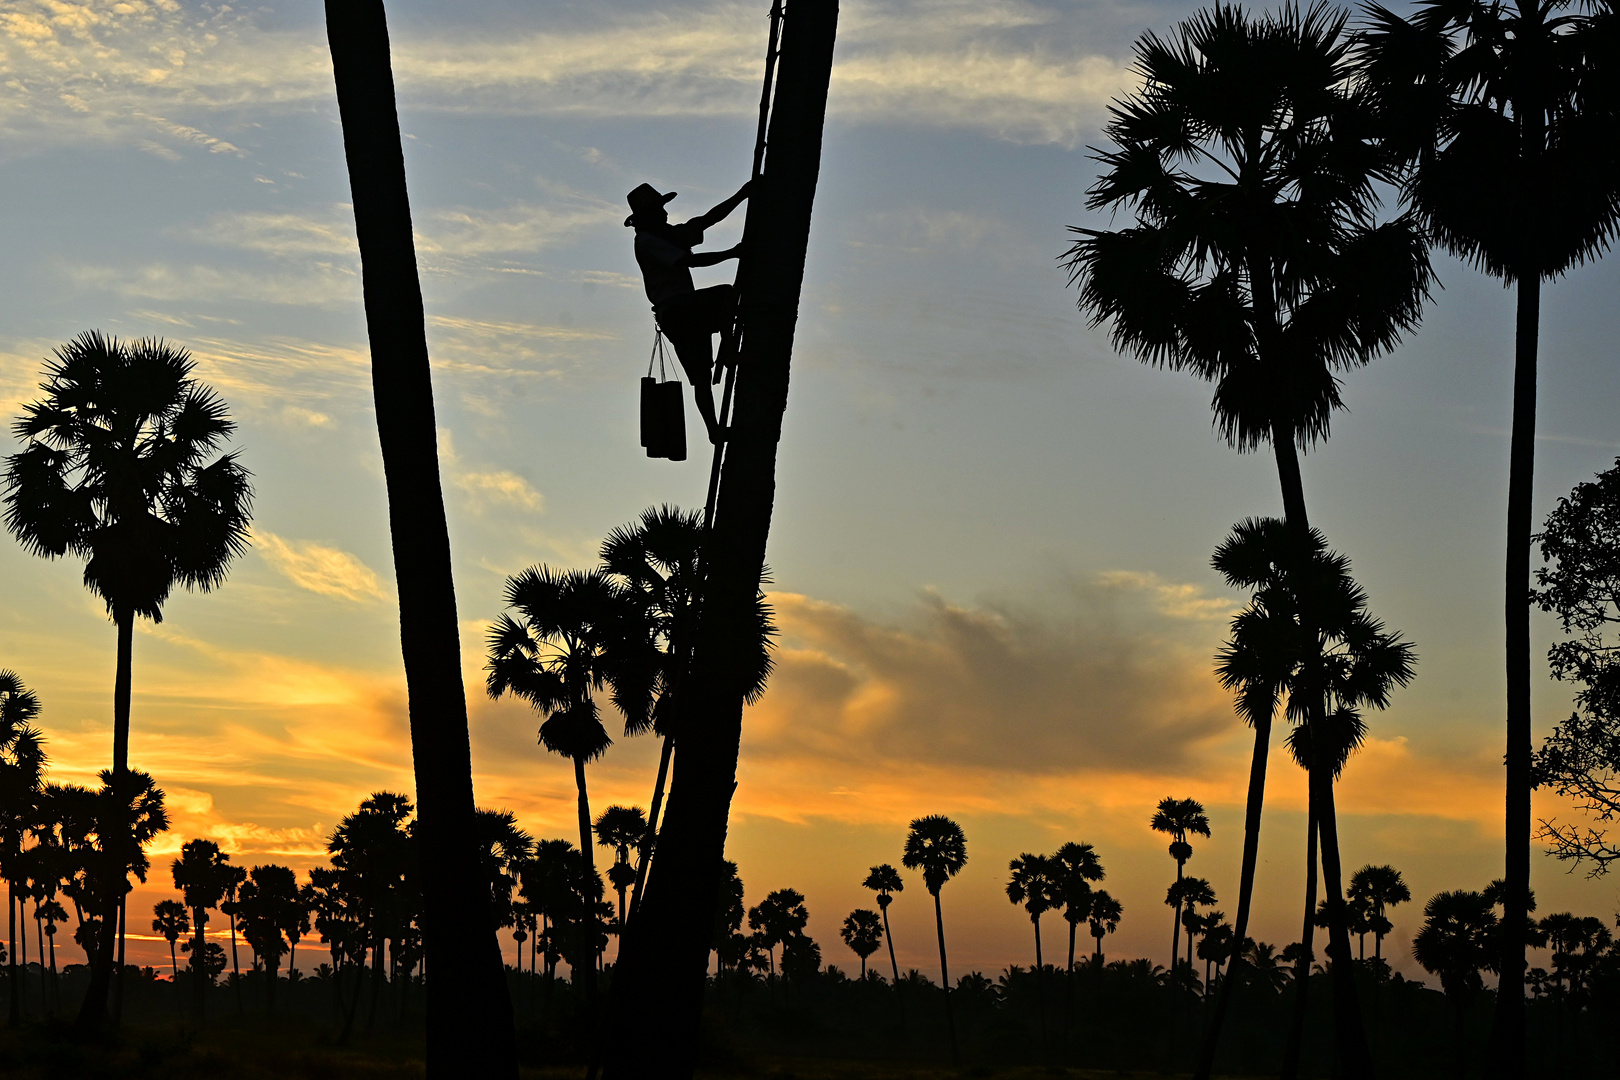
(645,198)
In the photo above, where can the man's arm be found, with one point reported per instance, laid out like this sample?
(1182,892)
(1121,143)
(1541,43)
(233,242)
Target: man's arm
(709,258)
(721,212)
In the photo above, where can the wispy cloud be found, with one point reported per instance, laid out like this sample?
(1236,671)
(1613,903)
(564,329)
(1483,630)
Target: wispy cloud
(321,569)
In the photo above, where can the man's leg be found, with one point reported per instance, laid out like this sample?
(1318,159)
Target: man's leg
(696,354)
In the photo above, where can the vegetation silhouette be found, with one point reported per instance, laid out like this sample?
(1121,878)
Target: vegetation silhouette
(863,933)
(1506,116)
(885,880)
(937,846)
(1178,819)
(1035,882)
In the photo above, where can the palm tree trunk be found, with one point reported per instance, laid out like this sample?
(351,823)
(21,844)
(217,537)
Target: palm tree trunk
(1507,1033)
(1307,936)
(588,921)
(379,956)
(199,957)
(14,1009)
(1349,1031)
(236,969)
(118,972)
(648,846)
(93,1009)
(658,993)
(1175,925)
(1040,983)
(174,973)
(469,1031)
(945,979)
(894,964)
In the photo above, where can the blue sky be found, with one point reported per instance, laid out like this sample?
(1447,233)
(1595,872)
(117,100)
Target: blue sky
(992,533)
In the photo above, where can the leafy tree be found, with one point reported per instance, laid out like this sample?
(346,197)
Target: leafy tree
(1454,943)
(1104,919)
(863,933)
(203,875)
(169,919)
(885,880)
(937,846)
(1507,114)
(116,470)
(1179,819)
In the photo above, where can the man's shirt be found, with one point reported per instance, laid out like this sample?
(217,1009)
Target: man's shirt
(661,252)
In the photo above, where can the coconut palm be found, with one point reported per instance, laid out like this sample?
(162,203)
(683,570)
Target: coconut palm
(1255,261)
(863,933)
(22,772)
(937,846)
(576,633)
(203,875)
(622,828)
(885,880)
(1103,919)
(1454,943)
(170,920)
(120,469)
(470,1031)
(1179,819)
(1507,114)
(1380,888)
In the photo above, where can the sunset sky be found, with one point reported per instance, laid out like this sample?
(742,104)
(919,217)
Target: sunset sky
(992,533)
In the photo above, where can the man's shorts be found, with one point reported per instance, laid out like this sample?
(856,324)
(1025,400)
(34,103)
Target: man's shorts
(703,311)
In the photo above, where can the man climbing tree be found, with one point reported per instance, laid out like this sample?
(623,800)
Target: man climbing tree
(689,316)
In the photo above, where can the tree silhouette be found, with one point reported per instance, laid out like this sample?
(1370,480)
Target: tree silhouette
(116,470)
(170,920)
(937,846)
(1454,943)
(22,772)
(1506,113)
(621,828)
(1255,261)
(470,1031)
(1178,819)
(1104,918)
(233,877)
(728,918)
(1077,866)
(203,875)
(270,905)
(779,918)
(863,933)
(1186,896)
(503,849)
(1380,888)
(885,880)
(1035,881)
(375,856)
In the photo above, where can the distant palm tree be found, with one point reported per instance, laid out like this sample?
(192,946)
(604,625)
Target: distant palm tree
(503,849)
(778,918)
(885,880)
(117,470)
(1256,261)
(22,772)
(1077,867)
(1035,881)
(1454,943)
(1187,895)
(622,828)
(203,875)
(1106,913)
(233,878)
(937,846)
(1382,888)
(1507,113)
(576,633)
(1267,969)
(169,919)
(863,933)
(1178,819)
(267,902)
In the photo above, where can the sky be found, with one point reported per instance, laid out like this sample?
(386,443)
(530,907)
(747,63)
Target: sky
(991,542)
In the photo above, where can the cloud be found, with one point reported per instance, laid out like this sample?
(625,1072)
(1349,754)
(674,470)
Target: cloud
(499,488)
(325,570)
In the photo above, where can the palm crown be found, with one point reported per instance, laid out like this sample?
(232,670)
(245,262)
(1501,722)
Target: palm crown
(1034,882)
(884,880)
(1256,262)
(937,846)
(1179,819)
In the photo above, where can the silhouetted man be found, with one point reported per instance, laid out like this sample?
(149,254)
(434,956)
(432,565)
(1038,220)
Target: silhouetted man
(690,317)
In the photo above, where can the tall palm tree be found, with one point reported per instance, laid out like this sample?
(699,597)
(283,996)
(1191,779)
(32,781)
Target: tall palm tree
(863,933)
(503,850)
(1077,866)
(1106,912)
(232,878)
(658,985)
(1187,895)
(470,1031)
(622,828)
(1507,114)
(22,772)
(1179,819)
(1256,261)
(1381,888)
(937,846)
(885,880)
(779,918)
(1454,944)
(1035,881)
(202,873)
(170,920)
(122,468)
(576,633)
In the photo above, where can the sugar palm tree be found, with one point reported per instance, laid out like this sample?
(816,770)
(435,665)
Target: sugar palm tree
(1256,261)
(1324,677)
(22,772)
(1179,819)
(1187,895)
(937,846)
(1036,882)
(1106,912)
(575,633)
(122,468)
(170,920)
(202,874)
(885,880)
(1382,888)
(863,933)
(622,828)
(1077,866)
(1507,114)
(470,1031)
(1454,944)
